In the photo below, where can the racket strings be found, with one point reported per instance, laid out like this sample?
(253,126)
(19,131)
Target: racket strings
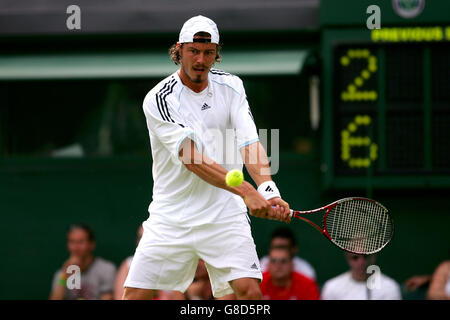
(359,226)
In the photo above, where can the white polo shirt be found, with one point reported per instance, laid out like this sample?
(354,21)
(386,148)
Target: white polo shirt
(344,287)
(219,121)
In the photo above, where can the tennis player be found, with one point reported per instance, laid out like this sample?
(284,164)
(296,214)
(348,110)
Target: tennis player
(197,117)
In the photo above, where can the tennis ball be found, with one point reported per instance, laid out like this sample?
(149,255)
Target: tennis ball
(234,178)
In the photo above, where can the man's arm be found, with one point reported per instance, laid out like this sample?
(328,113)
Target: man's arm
(214,174)
(59,289)
(59,286)
(436,290)
(257,164)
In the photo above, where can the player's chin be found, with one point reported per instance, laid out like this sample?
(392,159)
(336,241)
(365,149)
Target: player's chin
(199,79)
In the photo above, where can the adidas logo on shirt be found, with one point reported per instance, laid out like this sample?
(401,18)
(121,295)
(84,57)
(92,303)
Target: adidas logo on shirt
(205,106)
(254,266)
(269,189)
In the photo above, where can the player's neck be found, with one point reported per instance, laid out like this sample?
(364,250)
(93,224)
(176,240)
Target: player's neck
(194,86)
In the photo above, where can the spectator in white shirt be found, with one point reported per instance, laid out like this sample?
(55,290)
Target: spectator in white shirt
(361,282)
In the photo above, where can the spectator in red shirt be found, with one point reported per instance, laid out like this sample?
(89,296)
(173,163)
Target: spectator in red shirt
(281,282)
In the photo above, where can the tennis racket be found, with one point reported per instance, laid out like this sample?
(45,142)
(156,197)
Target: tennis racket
(356,225)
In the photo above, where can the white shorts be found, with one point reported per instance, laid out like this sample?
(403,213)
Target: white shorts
(167,256)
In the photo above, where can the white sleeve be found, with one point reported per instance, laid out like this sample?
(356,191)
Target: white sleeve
(242,120)
(166,124)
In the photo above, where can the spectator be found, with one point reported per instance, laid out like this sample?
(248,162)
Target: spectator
(123,272)
(281,282)
(285,237)
(352,285)
(200,288)
(96,276)
(440,283)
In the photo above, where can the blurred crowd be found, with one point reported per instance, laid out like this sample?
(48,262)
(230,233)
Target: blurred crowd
(286,276)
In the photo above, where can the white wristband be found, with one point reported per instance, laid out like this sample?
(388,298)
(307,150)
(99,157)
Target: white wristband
(269,190)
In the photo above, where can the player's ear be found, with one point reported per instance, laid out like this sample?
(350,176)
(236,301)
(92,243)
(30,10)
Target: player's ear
(179,47)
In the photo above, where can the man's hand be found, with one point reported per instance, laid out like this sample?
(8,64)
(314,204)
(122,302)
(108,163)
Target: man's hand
(73,260)
(280,210)
(273,209)
(257,205)
(415,282)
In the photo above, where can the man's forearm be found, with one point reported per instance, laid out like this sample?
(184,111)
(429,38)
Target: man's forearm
(256,162)
(60,290)
(215,174)
(208,170)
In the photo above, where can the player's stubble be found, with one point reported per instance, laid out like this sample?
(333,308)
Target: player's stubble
(198,78)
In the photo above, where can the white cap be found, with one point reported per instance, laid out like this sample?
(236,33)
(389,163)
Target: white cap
(198,24)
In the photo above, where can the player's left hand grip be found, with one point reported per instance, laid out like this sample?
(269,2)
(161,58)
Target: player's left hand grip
(291,214)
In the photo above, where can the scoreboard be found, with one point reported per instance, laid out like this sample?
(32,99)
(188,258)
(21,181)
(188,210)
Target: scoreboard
(386,107)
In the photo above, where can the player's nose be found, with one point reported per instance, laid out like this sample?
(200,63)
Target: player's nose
(200,58)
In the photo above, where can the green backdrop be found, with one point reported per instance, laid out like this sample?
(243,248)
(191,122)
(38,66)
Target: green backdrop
(38,201)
